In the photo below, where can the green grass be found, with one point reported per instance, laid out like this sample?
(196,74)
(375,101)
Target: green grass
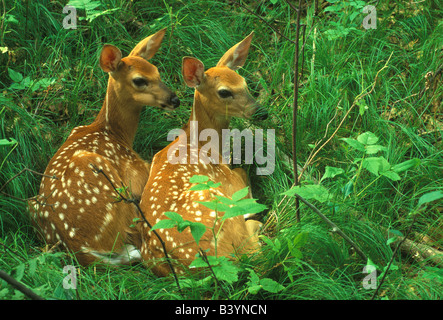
(406,118)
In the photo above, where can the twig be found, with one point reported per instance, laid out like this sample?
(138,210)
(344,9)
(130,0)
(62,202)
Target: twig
(294,111)
(20,286)
(334,227)
(392,258)
(168,260)
(205,259)
(21,172)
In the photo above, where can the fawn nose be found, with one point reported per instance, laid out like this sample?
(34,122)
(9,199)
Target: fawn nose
(174,101)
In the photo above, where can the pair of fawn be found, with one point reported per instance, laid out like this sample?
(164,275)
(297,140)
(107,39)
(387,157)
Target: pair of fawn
(77,206)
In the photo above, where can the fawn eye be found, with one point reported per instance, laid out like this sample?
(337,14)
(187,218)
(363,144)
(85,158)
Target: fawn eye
(223,93)
(139,82)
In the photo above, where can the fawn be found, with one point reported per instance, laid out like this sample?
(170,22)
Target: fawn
(220,93)
(78,208)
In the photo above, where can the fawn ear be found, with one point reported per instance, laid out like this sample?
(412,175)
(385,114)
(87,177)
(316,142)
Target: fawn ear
(235,57)
(149,46)
(109,58)
(193,71)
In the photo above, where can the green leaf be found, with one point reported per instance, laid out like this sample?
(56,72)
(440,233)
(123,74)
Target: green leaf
(14,75)
(254,289)
(226,270)
(348,188)
(216,206)
(429,197)
(183,225)
(391,175)
(198,179)
(406,165)
(200,187)
(354,143)
(331,172)
(271,285)
(164,224)
(310,191)
(240,194)
(234,212)
(213,184)
(200,263)
(253,277)
(375,165)
(374,148)
(225,200)
(197,231)
(173,216)
(300,240)
(19,272)
(32,267)
(7,142)
(367,138)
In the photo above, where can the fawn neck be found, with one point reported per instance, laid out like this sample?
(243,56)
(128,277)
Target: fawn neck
(118,115)
(202,112)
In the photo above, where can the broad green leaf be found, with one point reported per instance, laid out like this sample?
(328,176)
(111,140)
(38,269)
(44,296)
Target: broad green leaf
(183,225)
(14,75)
(198,179)
(213,184)
(253,277)
(226,200)
(197,231)
(254,289)
(331,172)
(300,240)
(406,165)
(240,194)
(348,188)
(19,272)
(374,148)
(391,175)
(354,143)
(173,216)
(375,165)
(200,187)
(313,191)
(271,285)
(216,206)
(200,263)
(164,224)
(234,212)
(367,138)
(7,142)
(429,197)
(226,270)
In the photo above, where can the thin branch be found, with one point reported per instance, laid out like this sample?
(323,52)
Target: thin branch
(205,259)
(334,227)
(393,256)
(168,260)
(295,110)
(20,286)
(21,172)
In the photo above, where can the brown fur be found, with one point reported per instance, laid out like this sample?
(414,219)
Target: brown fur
(168,186)
(79,209)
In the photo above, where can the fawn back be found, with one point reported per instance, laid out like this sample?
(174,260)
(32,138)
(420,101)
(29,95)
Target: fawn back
(220,93)
(78,208)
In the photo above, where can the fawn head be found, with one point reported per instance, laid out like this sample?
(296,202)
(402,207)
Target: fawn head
(134,78)
(220,88)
